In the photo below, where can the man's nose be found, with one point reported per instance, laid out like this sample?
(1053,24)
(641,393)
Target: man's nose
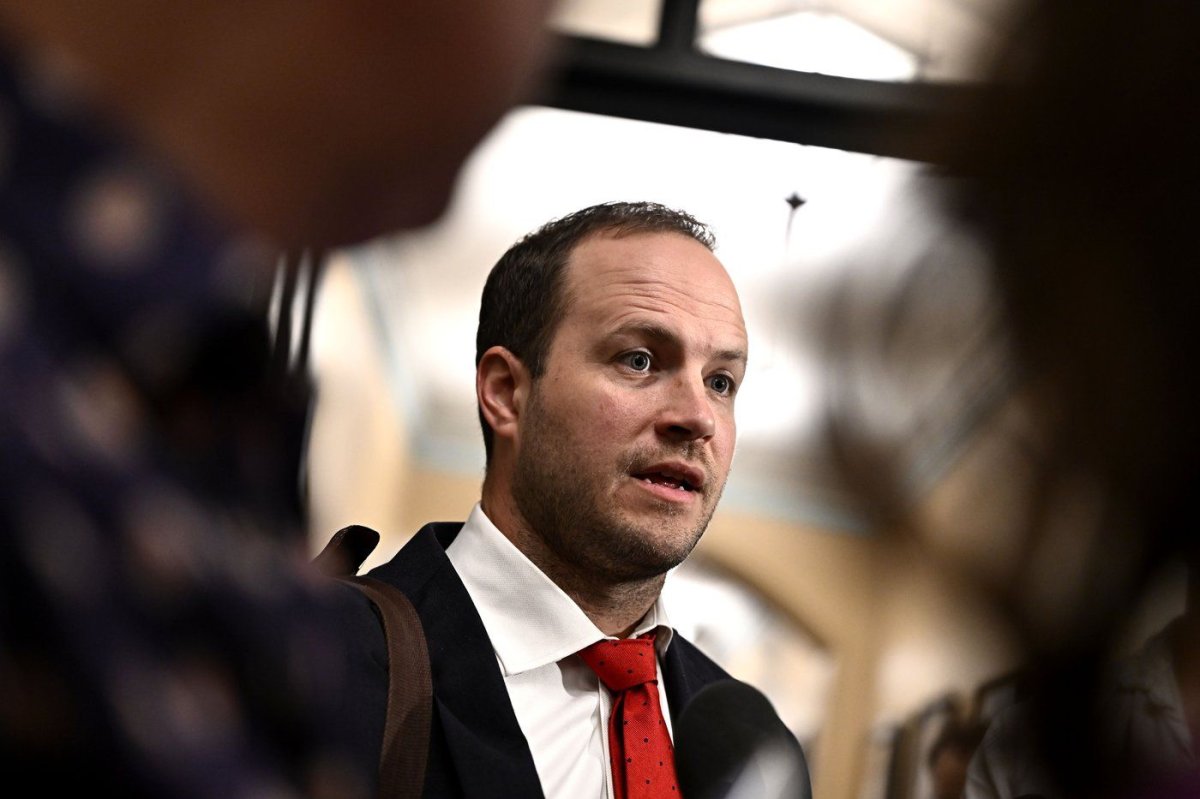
(687,413)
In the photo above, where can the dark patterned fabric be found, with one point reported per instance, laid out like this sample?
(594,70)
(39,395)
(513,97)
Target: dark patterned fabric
(159,631)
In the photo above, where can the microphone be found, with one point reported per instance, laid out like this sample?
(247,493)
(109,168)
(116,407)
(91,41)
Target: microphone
(730,744)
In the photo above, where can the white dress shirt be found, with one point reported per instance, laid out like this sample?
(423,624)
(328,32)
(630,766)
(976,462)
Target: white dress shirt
(537,630)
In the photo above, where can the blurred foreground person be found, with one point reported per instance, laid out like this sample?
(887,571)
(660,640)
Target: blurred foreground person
(1082,182)
(1076,186)
(159,632)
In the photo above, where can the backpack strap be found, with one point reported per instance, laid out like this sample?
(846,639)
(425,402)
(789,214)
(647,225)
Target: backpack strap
(410,688)
(410,691)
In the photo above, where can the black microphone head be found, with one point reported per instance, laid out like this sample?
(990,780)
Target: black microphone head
(730,743)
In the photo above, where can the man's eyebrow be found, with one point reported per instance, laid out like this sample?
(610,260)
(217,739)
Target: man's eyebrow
(665,335)
(648,330)
(732,355)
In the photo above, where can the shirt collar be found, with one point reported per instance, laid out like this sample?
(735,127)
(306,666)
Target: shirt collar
(530,620)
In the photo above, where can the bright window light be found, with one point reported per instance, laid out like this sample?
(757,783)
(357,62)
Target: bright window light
(813,41)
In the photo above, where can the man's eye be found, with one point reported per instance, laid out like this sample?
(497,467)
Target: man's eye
(722,384)
(637,361)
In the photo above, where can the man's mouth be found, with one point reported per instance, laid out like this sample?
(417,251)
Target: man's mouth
(678,476)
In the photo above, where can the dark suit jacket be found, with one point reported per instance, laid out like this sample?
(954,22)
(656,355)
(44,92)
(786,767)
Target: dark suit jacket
(477,748)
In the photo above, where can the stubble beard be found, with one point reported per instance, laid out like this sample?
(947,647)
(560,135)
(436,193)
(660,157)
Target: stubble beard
(582,528)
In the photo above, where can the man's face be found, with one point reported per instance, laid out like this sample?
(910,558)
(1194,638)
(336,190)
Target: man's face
(625,444)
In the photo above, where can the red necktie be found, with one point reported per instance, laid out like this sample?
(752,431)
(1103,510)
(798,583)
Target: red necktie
(643,763)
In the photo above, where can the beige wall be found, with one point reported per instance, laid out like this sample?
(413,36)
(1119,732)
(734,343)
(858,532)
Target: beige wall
(935,635)
(358,452)
(827,582)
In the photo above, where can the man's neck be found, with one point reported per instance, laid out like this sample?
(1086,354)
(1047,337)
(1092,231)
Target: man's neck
(614,606)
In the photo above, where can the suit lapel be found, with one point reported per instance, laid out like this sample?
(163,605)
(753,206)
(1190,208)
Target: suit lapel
(486,749)
(482,748)
(685,671)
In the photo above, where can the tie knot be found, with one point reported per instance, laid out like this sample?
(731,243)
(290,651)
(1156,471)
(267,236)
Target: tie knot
(620,665)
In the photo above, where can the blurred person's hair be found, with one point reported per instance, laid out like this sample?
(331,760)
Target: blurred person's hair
(1078,173)
(1083,183)
(524,298)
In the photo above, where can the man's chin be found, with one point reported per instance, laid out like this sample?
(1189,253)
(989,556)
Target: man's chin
(651,549)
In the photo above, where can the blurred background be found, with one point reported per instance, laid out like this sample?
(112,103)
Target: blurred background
(801,132)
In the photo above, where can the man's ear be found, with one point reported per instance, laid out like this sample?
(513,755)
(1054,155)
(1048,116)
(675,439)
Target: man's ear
(502,386)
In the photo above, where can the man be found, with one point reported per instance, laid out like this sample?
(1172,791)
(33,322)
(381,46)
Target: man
(609,354)
(157,634)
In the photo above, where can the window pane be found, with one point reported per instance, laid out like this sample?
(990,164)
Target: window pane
(897,40)
(629,21)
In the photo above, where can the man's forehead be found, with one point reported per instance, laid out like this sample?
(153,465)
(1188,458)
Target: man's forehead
(655,272)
